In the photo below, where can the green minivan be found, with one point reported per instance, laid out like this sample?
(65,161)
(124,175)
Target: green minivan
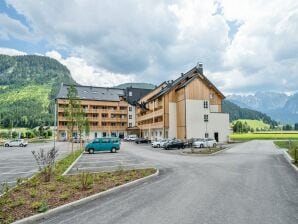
(111,144)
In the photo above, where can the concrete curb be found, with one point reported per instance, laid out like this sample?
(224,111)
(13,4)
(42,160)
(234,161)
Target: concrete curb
(41,216)
(289,158)
(73,163)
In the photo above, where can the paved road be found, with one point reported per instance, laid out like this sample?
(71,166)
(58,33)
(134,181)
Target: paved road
(18,162)
(248,184)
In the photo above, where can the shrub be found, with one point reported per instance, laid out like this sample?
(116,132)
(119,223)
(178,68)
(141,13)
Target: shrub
(52,188)
(40,206)
(86,180)
(33,193)
(64,196)
(45,161)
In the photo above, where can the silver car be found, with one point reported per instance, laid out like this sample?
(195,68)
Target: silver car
(16,142)
(202,143)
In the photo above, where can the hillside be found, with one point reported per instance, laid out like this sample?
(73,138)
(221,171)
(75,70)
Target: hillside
(237,112)
(255,124)
(27,86)
(136,85)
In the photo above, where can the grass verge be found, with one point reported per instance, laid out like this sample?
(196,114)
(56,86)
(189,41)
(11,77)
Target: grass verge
(36,196)
(291,146)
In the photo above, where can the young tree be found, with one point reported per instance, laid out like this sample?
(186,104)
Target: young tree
(71,111)
(82,123)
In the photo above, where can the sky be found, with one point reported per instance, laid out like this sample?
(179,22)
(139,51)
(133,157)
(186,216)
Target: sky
(245,46)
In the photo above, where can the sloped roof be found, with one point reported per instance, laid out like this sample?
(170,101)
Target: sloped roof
(184,80)
(93,93)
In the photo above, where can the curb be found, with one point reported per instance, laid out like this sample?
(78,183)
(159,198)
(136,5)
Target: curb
(72,165)
(198,154)
(289,158)
(51,212)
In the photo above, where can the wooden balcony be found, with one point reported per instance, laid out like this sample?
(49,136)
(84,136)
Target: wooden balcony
(152,125)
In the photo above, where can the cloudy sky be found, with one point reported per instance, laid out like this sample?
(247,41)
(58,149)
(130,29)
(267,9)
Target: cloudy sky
(245,46)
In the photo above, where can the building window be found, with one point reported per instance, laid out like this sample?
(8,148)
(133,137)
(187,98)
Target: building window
(206,135)
(206,117)
(122,124)
(130,108)
(130,93)
(103,124)
(104,115)
(130,117)
(205,104)
(113,124)
(112,115)
(130,125)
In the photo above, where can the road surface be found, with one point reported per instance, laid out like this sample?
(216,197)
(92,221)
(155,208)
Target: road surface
(248,184)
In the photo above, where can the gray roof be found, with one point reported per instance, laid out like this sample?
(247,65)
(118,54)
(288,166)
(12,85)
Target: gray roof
(93,93)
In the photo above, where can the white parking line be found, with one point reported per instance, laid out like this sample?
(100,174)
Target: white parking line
(106,161)
(14,167)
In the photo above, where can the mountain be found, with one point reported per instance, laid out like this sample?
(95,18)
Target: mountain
(236,112)
(279,106)
(27,86)
(136,85)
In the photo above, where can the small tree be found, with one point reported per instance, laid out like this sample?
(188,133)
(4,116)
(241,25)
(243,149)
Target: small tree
(81,122)
(72,110)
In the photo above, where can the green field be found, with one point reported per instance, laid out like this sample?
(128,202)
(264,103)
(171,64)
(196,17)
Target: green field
(264,136)
(254,123)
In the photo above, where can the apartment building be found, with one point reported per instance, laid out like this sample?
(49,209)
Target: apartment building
(110,111)
(188,107)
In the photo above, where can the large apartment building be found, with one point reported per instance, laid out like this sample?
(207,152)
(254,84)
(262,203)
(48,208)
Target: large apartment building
(188,107)
(110,111)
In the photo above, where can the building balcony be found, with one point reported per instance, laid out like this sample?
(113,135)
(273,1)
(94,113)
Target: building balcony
(155,125)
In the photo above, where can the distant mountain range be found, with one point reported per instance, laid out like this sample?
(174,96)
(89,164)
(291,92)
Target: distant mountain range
(278,106)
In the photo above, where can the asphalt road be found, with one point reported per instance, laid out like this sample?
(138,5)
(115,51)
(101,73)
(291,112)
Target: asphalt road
(251,183)
(18,162)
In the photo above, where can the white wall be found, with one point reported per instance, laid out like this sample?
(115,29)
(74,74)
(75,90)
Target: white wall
(172,120)
(214,108)
(133,114)
(196,127)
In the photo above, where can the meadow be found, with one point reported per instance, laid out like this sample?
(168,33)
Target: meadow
(269,135)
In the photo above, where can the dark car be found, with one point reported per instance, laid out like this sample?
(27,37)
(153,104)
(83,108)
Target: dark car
(142,140)
(174,144)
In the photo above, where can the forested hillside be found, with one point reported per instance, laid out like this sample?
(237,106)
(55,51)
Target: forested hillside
(237,112)
(27,86)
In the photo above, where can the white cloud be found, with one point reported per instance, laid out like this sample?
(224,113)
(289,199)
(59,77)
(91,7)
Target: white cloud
(11,52)
(156,40)
(85,74)
(13,28)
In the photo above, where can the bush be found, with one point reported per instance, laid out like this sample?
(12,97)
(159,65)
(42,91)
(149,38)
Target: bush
(86,180)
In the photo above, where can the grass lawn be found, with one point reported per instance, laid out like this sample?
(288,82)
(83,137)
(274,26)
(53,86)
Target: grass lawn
(291,148)
(265,136)
(254,123)
(35,195)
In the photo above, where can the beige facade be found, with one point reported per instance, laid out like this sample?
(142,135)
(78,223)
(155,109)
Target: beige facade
(189,107)
(105,118)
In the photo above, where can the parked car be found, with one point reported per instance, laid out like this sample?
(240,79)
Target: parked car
(78,140)
(202,143)
(131,138)
(16,142)
(111,144)
(174,144)
(158,143)
(142,140)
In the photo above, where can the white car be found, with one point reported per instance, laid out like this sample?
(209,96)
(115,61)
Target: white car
(131,138)
(16,142)
(202,143)
(159,143)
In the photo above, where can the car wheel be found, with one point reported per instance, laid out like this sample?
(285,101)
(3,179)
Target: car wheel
(113,150)
(91,151)
(158,146)
(201,146)
(183,146)
(21,145)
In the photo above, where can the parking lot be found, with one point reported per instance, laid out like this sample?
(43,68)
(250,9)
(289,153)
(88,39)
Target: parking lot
(18,162)
(106,161)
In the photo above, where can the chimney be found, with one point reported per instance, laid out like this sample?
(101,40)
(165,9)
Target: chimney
(200,67)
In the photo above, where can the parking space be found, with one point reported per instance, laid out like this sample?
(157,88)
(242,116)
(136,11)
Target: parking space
(18,162)
(106,161)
